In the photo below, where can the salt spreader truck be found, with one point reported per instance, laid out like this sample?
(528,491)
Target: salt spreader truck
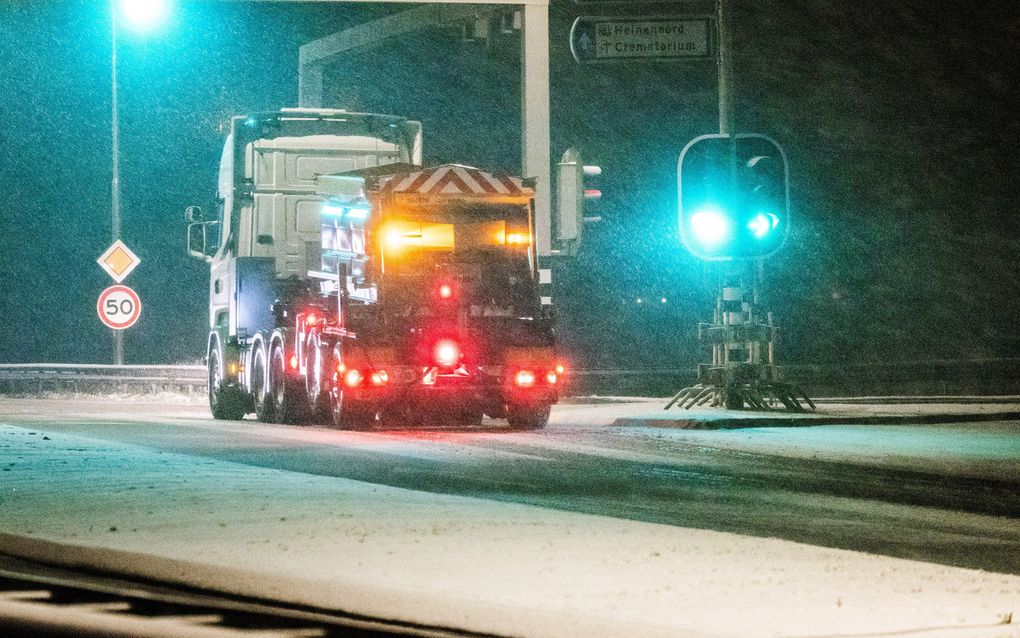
(350,284)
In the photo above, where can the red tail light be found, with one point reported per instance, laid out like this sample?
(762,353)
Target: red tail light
(560,368)
(551,378)
(445,291)
(446,353)
(524,378)
(379,377)
(352,378)
(293,362)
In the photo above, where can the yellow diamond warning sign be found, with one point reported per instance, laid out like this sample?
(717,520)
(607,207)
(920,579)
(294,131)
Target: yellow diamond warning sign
(118,261)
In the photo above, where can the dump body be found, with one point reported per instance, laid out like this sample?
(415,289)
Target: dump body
(444,300)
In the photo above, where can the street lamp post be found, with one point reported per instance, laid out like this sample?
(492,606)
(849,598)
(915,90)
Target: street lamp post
(139,15)
(118,336)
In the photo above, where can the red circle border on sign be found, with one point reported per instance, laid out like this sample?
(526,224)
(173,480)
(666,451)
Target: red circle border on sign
(134,316)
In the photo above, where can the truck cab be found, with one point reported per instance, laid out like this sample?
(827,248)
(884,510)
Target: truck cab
(266,225)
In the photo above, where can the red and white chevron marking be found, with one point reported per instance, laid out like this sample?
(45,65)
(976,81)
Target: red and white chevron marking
(454,179)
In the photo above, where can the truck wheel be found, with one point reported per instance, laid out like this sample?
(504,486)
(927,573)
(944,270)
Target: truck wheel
(260,384)
(347,419)
(528,417)
(318,402)
(288,401)
(224,402)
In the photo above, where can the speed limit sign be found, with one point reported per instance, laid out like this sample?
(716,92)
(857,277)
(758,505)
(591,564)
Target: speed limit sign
(119,307)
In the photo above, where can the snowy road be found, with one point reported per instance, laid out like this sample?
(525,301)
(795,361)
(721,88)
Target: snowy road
(934,493)
(946,494)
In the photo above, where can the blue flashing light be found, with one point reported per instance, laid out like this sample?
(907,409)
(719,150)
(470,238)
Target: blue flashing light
(710,225)
(357,213)
(143,15)
(347,213)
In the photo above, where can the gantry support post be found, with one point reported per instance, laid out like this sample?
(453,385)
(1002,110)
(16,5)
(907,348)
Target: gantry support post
(535,144)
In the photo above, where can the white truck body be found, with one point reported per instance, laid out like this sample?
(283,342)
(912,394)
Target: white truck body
(271,208)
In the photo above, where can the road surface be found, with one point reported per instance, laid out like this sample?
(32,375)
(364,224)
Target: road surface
(944,494)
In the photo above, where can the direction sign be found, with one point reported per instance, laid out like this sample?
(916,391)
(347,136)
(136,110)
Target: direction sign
(119,307)
(616,39)
(118,261)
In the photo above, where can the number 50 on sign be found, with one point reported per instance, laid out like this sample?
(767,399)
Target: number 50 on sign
(119,307)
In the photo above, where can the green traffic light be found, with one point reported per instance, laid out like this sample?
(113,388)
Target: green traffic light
(762,224)
(711,226)
(734,198)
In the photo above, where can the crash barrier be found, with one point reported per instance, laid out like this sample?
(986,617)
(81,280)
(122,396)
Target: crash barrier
(984,377)
(981,377)
(41,378)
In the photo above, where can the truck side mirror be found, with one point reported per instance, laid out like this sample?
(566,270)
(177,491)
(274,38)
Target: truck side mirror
(199,244)
(194,214)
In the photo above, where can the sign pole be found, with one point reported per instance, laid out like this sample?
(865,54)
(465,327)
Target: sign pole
(118,261)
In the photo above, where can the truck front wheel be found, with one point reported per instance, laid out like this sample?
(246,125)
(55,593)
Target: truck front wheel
(224,402)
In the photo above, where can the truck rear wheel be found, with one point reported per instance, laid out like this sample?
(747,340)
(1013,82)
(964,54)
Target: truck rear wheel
(528,417)
(224,402)
(315,377)
(288,401)
(344,418)
(260,384)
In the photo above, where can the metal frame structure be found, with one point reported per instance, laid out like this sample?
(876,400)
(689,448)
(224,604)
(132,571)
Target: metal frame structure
(535,142)
(743,372)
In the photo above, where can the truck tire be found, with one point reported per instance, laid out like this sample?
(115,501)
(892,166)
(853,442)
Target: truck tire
(315,380)
(260,383)
(287,399)
(224,402)
(528,417)
(347,419)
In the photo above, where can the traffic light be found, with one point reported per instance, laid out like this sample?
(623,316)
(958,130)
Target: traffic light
(572,194)
(733,196)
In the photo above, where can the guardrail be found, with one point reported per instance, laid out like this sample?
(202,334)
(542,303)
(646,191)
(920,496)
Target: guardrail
(27,378)
(943,377)
(985,377)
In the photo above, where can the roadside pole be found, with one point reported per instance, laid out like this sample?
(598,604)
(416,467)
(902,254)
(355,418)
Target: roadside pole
(118,336)
(725,68)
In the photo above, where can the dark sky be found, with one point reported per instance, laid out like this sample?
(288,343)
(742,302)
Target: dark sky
(898,121)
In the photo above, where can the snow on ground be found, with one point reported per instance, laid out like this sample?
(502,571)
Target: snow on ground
(471,563)
(982,449)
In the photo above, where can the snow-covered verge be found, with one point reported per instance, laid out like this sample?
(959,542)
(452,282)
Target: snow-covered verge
(471,563)
(971,447)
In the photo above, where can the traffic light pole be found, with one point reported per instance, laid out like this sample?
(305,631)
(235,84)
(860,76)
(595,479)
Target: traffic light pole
(725,67)
(743,372)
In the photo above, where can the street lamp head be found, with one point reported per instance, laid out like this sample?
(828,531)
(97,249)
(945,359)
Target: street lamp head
(142,15)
